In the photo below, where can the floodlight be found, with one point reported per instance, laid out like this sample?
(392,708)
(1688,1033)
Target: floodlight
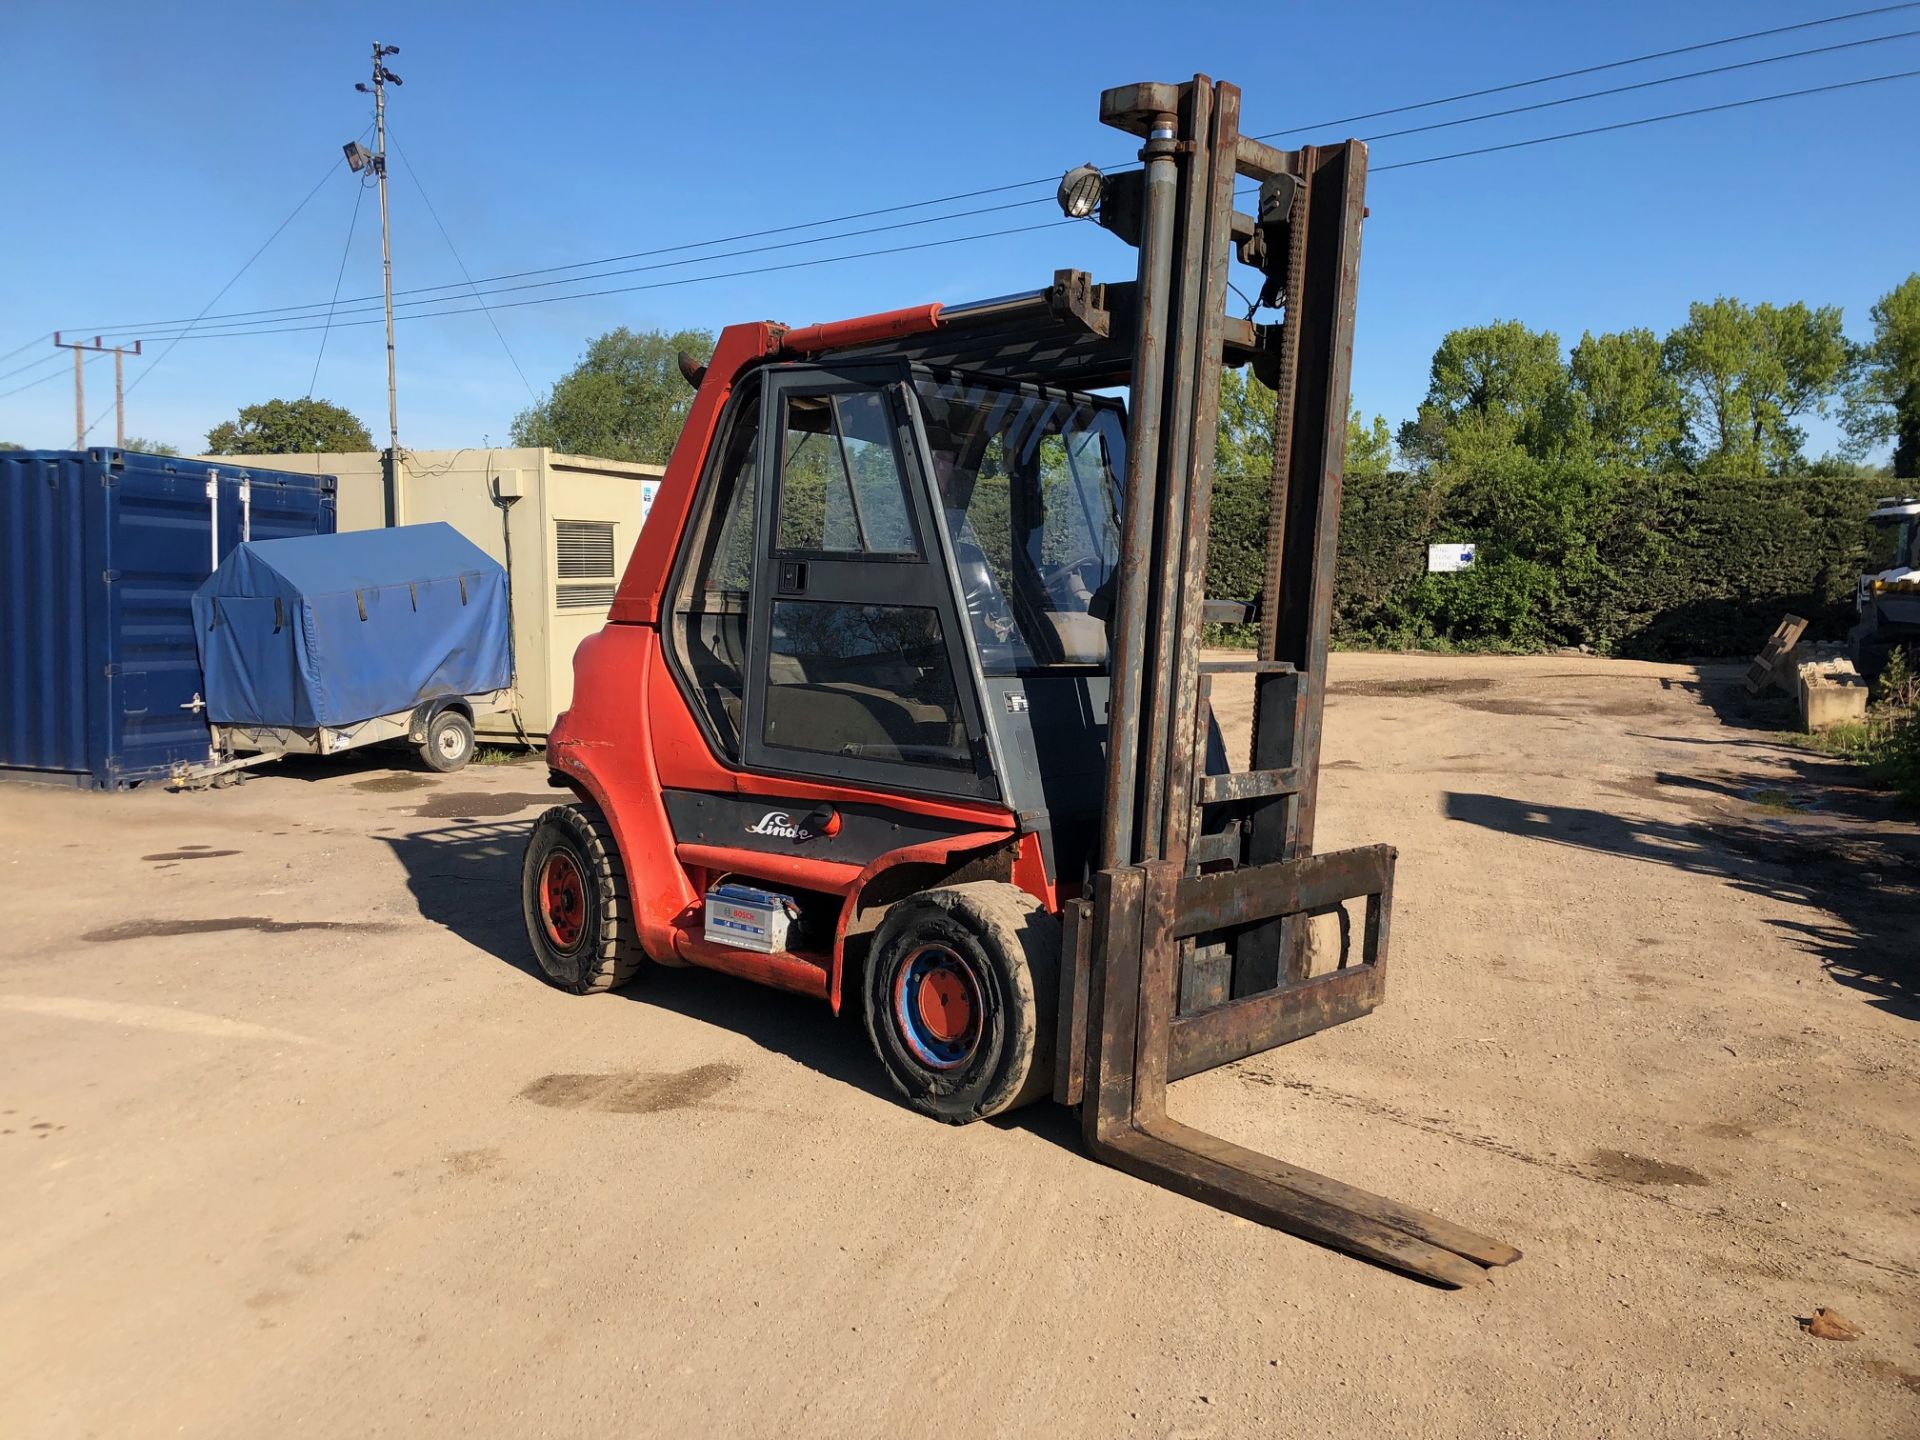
(1080,191)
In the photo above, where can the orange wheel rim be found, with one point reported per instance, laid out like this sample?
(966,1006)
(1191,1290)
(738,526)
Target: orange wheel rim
(563,900)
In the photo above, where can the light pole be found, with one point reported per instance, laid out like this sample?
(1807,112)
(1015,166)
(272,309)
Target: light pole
(357,160)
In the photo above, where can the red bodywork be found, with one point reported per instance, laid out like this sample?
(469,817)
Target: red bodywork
(629,734)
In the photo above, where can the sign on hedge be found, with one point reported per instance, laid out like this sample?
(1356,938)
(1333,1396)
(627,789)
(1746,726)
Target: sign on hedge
(1445,559)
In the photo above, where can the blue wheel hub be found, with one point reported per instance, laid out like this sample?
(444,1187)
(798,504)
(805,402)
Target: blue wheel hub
(938,1007)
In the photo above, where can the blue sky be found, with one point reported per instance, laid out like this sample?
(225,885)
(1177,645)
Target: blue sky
(153,147)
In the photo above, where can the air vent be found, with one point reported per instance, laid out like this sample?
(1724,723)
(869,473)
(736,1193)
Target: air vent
(583,549)
(583,597)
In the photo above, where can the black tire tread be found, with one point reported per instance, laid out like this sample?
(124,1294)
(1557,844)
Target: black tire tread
(1004,915)
(617,957)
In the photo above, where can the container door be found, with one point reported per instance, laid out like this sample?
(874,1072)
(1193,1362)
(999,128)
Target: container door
(52,646)
(160,549)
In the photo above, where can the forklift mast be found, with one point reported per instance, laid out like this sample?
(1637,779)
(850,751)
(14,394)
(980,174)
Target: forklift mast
(1188,917)
(1193,946)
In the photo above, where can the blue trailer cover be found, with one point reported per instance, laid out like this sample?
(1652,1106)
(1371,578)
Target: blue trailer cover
(335,629)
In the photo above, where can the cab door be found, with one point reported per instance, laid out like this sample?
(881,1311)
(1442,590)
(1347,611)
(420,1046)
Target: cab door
(858,670)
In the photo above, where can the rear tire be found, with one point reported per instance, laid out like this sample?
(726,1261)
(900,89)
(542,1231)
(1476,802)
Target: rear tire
(960,990)
(573,893)
(449,742)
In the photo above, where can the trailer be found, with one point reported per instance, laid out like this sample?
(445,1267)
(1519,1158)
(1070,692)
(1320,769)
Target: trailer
(325,644)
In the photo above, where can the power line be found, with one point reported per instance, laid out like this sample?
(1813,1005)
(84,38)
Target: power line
(1023,229)
(27,345)
(658,284)
(1052,179)
(1651,120)
(359,194)
(51,375)
(243,321)
(41,360)
(134,384)
(640,254)
(237,320)
(1642,85)
(413,176)
(1596,69)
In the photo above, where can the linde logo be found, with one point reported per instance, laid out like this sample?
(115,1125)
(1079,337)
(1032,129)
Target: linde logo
(779,823)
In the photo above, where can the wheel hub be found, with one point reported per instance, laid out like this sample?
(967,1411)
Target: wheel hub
(563,900)
(937,1007)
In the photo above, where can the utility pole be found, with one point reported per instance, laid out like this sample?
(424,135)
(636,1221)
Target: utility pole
(120,352)
(382,76)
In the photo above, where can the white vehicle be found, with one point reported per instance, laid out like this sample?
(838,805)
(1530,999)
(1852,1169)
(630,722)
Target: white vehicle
(1889,593)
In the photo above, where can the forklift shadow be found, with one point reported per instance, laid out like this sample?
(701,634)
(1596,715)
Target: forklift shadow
(1859,891)
(465,877)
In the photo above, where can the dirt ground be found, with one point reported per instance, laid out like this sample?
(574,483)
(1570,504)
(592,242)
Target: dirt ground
(293,1143)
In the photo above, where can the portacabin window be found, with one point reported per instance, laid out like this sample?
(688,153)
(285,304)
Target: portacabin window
(584,575)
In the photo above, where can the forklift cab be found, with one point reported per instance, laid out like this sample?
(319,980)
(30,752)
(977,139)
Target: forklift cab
(899,579)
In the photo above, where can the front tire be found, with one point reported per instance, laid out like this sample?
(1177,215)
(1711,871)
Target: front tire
(573,892)
(960,991)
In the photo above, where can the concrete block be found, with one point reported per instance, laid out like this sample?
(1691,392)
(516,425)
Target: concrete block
(1829,698)
(1824,655)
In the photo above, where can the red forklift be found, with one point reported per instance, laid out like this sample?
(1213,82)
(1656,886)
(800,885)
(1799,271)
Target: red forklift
(901,703)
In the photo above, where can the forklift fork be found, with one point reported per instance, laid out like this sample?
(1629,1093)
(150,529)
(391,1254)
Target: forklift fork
(1191,948)
(1136,922)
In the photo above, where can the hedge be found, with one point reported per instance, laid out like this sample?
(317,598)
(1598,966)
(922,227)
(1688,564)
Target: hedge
(1653,566)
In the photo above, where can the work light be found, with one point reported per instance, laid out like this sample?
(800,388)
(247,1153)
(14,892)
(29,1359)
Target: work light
(1080,191)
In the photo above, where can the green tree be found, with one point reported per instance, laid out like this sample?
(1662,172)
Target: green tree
(1369,447)
(9,445)
(289,427)
(1633,406)
(624,400)
(1243,475)
(151,447)
(1243,445)
(1747,373)
(1883,402)
(1493,387)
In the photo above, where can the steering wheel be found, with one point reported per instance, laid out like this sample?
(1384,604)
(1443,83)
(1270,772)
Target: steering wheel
(1052,576)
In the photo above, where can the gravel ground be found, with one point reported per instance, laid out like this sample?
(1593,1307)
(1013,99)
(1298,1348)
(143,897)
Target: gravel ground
(292,1143)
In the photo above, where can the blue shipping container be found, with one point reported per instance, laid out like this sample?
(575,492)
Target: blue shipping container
(103,550)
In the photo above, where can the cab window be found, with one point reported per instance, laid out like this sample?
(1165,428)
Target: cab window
(1028,480)
(867,682)
(711,608)
(841,491)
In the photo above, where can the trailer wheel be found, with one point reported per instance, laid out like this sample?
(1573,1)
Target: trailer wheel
(960,993)
(449,742)
(573,891)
